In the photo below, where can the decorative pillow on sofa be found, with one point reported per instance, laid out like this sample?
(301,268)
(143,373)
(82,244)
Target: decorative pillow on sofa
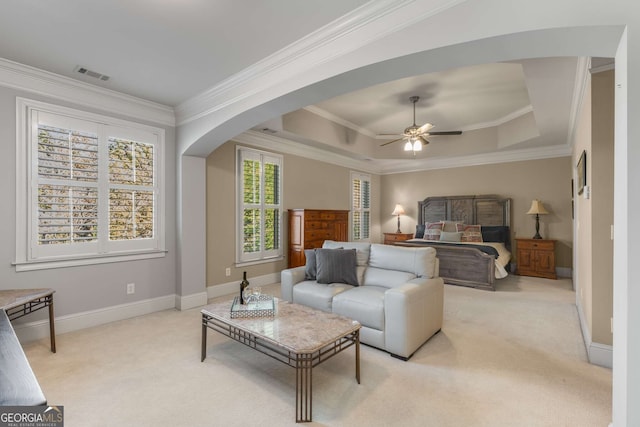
(470,233)
(310,271)
(336,266)
(448,236)
(432,230)
(419,231)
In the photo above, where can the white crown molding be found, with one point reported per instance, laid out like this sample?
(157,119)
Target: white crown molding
(388,167)
(583,78)
(339,120)
(336,119)
(500,121)
(288,146)
(351,31)
(33,80)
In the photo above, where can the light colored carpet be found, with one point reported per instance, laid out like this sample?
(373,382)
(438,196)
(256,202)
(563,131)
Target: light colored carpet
(513,357)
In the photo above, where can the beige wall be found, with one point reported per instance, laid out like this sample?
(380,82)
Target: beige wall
(594,216)
(547,180)
(582,277)
(602,148)
(306,184)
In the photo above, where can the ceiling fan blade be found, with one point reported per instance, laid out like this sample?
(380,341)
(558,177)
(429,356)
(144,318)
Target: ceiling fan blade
(425,128)
(448,132)
(423,139)
(390,142)
(395,135)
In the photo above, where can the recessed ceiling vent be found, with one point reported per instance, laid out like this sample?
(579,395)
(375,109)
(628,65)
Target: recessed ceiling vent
(90,73)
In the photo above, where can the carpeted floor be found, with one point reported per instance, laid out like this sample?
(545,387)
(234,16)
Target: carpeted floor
(513,357)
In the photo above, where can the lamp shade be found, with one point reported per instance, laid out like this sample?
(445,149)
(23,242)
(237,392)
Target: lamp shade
(398,210)
(537,208)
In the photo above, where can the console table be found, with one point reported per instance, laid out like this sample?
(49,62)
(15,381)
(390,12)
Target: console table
(20,302)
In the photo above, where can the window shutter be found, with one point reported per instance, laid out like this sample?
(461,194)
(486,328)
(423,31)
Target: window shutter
(131,180)
(67,177)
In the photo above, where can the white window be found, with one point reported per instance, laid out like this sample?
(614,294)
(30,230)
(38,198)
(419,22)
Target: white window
(360,206)
(259,212)
(89,187)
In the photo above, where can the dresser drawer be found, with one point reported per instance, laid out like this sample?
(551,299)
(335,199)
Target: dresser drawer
(544,245)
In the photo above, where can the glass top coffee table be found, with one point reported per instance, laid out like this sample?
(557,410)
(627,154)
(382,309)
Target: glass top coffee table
(296,335)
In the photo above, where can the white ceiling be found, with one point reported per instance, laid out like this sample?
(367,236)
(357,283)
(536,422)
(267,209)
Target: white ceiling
(170,51)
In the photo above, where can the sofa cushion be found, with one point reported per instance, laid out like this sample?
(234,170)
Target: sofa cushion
(386,278)
(364,304)
(419,261)
(336,266)
(362,249)
(318,296)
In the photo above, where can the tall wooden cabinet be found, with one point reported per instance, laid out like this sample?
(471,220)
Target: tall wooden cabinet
(536,257)
(309,228)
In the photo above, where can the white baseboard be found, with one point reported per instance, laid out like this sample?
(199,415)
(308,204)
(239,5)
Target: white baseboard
(74,322)
(564,272)
(229,288)
(601,355)
(191,301)
(598,354)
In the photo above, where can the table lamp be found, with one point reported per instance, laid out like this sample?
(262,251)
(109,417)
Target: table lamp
(399,210)
(537,209)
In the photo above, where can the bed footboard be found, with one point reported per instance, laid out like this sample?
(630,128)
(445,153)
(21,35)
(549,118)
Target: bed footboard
(464,266)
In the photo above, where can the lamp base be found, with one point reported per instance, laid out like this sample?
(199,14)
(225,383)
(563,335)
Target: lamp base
(398,225)
(537,236)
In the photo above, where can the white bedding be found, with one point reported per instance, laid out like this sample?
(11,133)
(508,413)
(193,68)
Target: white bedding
(504,256)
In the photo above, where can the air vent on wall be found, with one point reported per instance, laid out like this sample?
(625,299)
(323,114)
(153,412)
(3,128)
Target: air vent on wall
(90,73)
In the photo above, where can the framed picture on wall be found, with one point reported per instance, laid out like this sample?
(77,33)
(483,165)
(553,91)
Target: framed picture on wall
(582,172)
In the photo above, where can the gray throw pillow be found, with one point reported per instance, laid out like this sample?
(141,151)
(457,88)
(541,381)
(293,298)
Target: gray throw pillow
(447,236)
(310,271)
(336,266)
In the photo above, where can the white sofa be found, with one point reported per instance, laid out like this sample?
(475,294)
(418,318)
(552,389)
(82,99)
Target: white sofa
(399,300)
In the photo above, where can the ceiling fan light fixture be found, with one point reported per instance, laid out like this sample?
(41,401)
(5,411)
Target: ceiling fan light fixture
(417,145)
(408,146)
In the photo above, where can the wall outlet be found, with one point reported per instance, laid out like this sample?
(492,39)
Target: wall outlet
(131,288)
(227,271)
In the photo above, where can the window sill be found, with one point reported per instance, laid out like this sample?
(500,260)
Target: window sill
(86,260)
(261,261)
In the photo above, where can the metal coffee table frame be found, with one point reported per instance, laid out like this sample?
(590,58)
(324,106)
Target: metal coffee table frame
(303,362)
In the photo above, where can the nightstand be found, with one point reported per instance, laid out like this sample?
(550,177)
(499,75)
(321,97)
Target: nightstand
(536,257)
(391,238)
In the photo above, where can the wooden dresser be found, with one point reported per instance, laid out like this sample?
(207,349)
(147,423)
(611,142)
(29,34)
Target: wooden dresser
(536,257)
(309,228)
(391,238)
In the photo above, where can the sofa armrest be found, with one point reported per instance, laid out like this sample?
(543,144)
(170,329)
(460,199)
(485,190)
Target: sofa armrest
(413,313)
(288,279)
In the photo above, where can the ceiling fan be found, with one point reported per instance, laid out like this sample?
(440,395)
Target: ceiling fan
(416,135)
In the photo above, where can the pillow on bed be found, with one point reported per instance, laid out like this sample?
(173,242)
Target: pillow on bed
(432,230)
(450,226)
(495,233)
(470,233)
(449,236)
(419,231)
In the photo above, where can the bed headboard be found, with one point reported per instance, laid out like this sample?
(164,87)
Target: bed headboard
(486,210)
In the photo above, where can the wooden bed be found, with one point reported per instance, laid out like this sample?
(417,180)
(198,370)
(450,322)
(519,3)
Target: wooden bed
(460,265)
